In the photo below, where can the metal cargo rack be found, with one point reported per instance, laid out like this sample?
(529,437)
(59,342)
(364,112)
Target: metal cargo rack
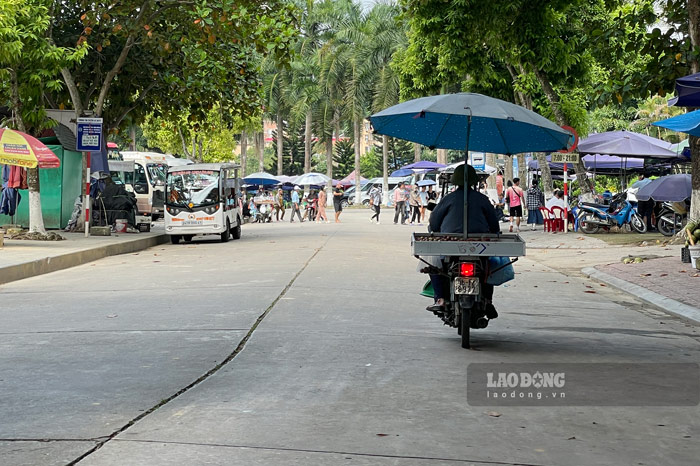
(478,244)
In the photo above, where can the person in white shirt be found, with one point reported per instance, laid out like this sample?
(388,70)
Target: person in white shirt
(557,200)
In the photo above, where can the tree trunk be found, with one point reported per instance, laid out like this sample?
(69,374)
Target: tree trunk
(417,150)
(356,127)
(329,169)
(492,180)
(559,115)
(132,137)
(259,139)
(201,150)
(694,31)
(507,170)
(545,175)
(36,219)
(244,153)
(385,169)
(307,142)
(280,145)
(522,169)
(442,156)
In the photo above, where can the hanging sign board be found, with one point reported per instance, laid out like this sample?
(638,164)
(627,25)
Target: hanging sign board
(478,160)
(89,135)
(558,157)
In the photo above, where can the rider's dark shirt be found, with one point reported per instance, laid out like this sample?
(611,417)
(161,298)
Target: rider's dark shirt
(448,216)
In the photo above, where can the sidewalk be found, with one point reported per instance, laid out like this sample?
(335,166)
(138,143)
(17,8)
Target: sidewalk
(21,259)
(661,279)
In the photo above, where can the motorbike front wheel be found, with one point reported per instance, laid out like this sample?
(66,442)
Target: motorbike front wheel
(667,227)
(637,223)
(586,226)
(464,323)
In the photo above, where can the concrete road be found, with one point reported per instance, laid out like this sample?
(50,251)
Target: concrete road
(308,344)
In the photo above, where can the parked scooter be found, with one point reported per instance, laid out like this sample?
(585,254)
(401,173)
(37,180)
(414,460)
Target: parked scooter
(672,218)
(620,213)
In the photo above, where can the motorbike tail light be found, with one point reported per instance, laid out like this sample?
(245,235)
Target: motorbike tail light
(466,269)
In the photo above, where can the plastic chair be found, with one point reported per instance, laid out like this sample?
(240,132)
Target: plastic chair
(558,216)
(547,217)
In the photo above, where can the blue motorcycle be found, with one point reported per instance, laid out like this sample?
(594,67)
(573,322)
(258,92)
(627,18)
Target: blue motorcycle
(620,213)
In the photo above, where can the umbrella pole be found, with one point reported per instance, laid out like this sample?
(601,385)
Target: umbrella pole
(466,178)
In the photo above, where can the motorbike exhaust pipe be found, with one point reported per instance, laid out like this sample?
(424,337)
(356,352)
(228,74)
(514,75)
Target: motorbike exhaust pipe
(482,322)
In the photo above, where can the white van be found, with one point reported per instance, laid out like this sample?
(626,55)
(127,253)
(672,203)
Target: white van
(203,199)
(147,181)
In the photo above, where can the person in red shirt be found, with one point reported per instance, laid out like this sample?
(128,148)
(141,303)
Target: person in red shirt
(516,203)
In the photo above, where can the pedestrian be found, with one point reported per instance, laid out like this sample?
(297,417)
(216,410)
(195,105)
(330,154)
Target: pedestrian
(423,194)
(337,201)
(516,199)
(375,202)
(295,205)
(535,200)
(322,199)
(432,199)
(645,209)
(279,205)
(400,204)
(414,201)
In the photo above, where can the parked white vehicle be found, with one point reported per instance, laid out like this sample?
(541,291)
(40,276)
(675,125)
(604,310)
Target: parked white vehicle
(147,181)
(203,199)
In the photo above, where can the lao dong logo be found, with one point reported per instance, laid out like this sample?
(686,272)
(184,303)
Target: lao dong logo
(525,380)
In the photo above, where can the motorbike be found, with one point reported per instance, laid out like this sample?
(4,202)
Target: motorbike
(621,213)
(264,213)
(672,218)
(468,278)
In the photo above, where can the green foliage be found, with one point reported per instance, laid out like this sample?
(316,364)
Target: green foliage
(29,63)
(343,158)
(294,151)
(371,163)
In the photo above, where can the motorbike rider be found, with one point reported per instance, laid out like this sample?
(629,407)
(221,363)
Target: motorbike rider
(448,217)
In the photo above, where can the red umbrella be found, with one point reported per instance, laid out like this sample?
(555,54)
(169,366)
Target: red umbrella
(17,148)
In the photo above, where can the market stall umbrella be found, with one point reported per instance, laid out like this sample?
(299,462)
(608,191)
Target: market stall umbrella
(488,169)
(672,188)
(468,121)
(17,148)
(688,90)
(688,123)
(426,183)
(261,179)
(351,179)
(597,162)
(626,144)
(401,172)
(311,178)
(424,165)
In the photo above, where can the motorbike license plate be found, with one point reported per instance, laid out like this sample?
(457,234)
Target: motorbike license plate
(466,285)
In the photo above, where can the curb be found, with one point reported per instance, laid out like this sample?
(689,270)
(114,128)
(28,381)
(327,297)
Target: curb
(64,261)
(671,306)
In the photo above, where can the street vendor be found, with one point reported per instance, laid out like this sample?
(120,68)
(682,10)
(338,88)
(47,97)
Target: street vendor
(448,217)
(117,203)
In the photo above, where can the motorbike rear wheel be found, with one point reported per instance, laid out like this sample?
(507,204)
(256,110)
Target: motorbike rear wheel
(586,226)
(666,226)
(464,324)
(637,223)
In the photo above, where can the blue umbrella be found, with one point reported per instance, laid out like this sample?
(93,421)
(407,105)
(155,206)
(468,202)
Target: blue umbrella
(260,179)
(424,165)
(468,121)
(426,183)
(402,172)
(688,90)
(688,123)
(672,188)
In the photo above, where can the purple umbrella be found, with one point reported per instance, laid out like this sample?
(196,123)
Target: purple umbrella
(604,163)
(672,188)
(424,165)
(626,144)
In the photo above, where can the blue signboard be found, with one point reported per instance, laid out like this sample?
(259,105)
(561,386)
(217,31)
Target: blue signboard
(89,137)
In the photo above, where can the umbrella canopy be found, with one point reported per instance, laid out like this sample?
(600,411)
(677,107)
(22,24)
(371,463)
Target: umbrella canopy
(402,172)
(640,183)
(352,179)
(311,178)
(488,169)
(424,165)
(672,188)
(626,144)
(426,183)
(23,150)
(688,90)
(261,179)
(285,178)
(495,126)
(597,162)
(688,123)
